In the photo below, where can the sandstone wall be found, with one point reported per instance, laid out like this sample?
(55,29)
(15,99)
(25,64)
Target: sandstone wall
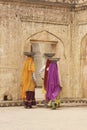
(22,24)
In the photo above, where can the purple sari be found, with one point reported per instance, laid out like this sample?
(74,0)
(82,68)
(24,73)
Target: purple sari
(53,84)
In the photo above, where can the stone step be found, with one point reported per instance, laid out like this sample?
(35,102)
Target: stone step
(40,103)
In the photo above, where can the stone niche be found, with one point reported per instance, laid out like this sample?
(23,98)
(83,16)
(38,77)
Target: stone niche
(44,42)
(84,66)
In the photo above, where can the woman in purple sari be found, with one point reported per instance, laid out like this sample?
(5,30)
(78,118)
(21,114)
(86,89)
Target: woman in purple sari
(53,84)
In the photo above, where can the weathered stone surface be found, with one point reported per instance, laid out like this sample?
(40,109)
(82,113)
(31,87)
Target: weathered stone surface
(48,28)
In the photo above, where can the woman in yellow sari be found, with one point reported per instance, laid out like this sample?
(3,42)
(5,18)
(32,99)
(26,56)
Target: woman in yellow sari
(28,81)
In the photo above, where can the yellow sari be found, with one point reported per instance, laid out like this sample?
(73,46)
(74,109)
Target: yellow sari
(27,79)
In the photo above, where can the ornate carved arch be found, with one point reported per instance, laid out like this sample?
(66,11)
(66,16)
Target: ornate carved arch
(43,37)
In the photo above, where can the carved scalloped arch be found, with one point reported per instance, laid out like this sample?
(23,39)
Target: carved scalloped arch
(43,36)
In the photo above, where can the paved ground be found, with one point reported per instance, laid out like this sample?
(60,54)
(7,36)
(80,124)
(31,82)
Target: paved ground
(40,118)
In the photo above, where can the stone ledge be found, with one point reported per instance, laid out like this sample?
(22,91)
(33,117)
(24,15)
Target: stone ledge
(73,5)
(40,103)
(40,2)
(10,103)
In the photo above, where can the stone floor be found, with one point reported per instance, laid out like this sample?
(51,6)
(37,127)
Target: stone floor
(71,115)
(40,118)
